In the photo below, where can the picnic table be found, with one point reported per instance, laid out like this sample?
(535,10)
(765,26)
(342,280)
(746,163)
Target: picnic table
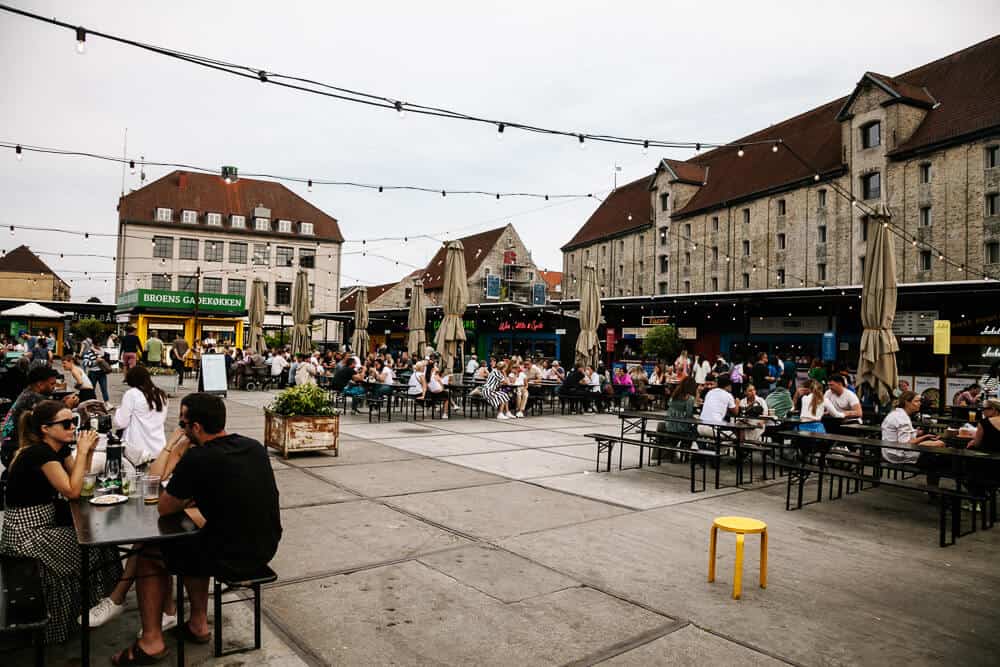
(128,523)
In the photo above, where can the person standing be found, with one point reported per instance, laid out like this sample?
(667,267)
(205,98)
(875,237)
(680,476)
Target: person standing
(178,349)
(131,349)
(761,375)
(701,370)
(154,350)
(40,354)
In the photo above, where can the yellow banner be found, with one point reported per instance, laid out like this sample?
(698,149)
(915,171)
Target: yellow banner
(942,336)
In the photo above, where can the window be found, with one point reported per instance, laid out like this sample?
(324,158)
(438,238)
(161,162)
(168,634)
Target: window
(864,228)
(604,251)
(212,285)
(238,222)
(991,252)
(160,281)
(604,276)
(307,258)
(213,219)
(189,217)
(163,246)
(871,186)
(214,251)
(746,247)
(187,283)
(781,276)
(821,272)
(715,223)
(925,216)
(746,281)
(871,134)
(925,172)
(687,259)
(261,254)
(189,249)
(621,271)
(715,253)
(164,215)
(664,264)
(687,231)
(642,240)
(662,288)
(663,236)
(715,284)
(285,226)
(262,224)
(992,203)
(992,157)
(586,255)
(746,216)
(687,286)
(236,286)
(284,256)
(821,234)
(781,241)
(282,294)
(306,228)
(781,207)
(925,260)
(821,198)
(621,246)
(664,201)
(237,252)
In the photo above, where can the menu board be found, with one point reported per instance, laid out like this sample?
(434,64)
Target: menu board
(914,322)
(213,374)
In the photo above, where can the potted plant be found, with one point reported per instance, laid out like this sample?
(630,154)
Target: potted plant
(164,378)
(301,419)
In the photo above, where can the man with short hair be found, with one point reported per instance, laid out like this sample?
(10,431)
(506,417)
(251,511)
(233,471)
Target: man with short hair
(719,403)
(225,484)
(154,349)
(845,403)
(779,402)
(761,374)
(472,365)
(342,382)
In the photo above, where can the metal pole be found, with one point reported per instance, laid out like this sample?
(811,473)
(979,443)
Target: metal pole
(197,294)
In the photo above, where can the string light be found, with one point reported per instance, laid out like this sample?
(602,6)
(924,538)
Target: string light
(20,155)
(400,110)
(131,166)
(582,145)
(739,152)
(645,147)
(774,148)
(500,128)
(81,41)
(309,187)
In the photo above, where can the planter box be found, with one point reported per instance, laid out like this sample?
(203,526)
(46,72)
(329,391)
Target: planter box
(301,434)
(168,383)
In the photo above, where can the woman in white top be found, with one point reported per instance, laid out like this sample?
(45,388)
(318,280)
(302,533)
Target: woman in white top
(417,385)
(897,427)
(701,369)
(438,392)
(752,405)
(142,414)
(813,407)
(520,390)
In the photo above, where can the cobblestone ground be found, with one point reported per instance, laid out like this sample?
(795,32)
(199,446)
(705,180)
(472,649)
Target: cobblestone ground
(489,542)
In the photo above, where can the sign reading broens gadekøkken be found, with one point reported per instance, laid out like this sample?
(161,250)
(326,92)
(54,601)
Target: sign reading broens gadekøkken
(181,301)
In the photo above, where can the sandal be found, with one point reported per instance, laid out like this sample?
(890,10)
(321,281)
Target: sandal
(189,636)
(139,657)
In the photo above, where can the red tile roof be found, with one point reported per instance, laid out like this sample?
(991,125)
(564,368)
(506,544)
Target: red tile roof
(686,172)
(552,278)
(22,260)
(476,247)
(612,216)
(374,292)
(903,90)
(208,193)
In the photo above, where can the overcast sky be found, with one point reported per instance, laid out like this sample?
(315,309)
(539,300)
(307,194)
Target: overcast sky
(706,71)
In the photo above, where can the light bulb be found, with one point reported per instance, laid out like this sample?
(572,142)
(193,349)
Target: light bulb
(645,147)
(380,188)
(581,143)
(310,186)
(400,110)
(131,166)
(19,152)
(81,41)
(500,129)
(444,194)
(740,152)
(630,217)
(816,177)
(774,148)
(12,230)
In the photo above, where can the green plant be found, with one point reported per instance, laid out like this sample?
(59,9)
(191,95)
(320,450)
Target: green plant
(91,328)
(662,343)
(303,400)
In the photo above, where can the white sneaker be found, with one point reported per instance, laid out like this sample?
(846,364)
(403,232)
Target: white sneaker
(167,623)
(520,415)
(102,612)
(503,415)
(444,415)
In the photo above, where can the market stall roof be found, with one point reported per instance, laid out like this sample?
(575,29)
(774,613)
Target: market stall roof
(33,309)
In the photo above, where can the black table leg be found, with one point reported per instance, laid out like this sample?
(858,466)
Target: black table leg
(181,621)
(84,606)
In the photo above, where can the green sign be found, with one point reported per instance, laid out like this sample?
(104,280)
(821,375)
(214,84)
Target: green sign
(181,301)
(468,325)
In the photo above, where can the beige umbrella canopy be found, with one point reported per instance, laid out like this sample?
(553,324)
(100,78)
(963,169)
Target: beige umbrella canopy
(359,339)
(255,341)
(417,322)
(302,332)
(588,347)
(877,366)
(455,299)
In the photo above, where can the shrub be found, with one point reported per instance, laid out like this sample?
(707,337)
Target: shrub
(303,400)
(662,343)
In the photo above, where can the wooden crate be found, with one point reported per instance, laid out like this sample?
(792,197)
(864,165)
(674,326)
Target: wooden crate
(301,433)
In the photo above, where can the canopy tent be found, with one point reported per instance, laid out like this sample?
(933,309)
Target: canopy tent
(33,310)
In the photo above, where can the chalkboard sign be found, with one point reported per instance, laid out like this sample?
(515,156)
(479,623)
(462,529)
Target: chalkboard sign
(213,374)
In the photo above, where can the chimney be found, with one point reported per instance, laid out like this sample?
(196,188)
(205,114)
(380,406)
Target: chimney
(182,180)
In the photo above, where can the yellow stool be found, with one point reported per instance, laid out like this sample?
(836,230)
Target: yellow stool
(741,526)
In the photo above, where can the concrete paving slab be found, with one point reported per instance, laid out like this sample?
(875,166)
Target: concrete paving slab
(385,430)
(297,489)
(410,614)
(498,573)
(638,489)
(538,438)
(588,451)
(692,646)
(352,451)
(447,445)
(521,464)
(352,535)
(500,510)
(474,425)
(401,477)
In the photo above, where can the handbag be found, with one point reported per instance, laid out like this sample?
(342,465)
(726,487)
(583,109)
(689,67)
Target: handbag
(103,365)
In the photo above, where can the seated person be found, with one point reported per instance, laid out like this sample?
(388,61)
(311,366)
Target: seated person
(576,383)
(36,522)
(435,388)
(228,479)
(897,427)
(41,384)
(842,403)
(348,382)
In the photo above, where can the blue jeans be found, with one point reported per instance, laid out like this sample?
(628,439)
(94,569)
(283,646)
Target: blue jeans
(99,379)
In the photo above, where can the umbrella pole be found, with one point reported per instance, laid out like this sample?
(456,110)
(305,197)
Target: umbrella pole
(943,398)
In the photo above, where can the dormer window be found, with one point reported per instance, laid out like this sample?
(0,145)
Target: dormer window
(238,222)
(306,228)
(189,217)
(871,135)
(213,219)
(285,226)
(164,215)
(262,224)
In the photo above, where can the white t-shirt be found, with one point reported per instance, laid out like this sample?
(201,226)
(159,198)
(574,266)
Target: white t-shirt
(594,381)
(841,404)
(897,427)
(521,380)
(701,372)
(717,404)
(807,414)
(414,387)
(387,376)
(758,401)
(144,426)
(278,365)
(471,366)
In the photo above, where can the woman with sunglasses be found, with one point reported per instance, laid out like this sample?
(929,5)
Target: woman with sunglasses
(36,522)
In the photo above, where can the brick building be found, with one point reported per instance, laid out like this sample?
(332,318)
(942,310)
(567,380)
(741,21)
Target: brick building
(23,275)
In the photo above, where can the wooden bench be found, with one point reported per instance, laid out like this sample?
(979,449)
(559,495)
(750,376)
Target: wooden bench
(606,444)
(22,601)
(224,585)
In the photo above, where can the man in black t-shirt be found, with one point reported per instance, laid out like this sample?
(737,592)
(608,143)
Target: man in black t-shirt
(131,349)
(225,483)
(575,383)
(761,380)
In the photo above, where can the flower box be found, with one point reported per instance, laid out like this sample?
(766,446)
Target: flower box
(301,433)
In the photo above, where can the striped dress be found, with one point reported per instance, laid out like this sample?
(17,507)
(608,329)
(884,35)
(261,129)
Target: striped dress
(491,390)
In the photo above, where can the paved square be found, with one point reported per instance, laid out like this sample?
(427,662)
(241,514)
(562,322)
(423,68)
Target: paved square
(400,477)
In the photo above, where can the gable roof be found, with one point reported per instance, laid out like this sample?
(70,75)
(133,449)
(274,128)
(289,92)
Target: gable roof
(898,91)
(22,260)
(209,193)
(683,172)
(476,248)
(553,279)
(374,292)
(612,216)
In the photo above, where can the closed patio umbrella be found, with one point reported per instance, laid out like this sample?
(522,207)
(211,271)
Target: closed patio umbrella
(877,365)
(455,299)
(255,341)
(588,347)
(417,322)
(302,331)
(359,339)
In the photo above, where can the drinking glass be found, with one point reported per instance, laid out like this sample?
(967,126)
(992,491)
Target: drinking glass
(130,484)
(89,482)
(151,489)
(972,416)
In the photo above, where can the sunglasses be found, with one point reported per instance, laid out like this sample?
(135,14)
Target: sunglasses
(65,423)
(182,423)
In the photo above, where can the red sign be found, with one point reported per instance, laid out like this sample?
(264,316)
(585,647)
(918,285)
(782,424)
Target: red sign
(610,342)
(533,325)
(509,257)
